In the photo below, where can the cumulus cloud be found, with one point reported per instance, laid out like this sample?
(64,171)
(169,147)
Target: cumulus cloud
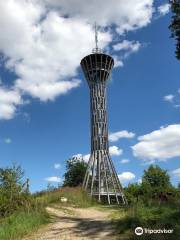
(38,46)
(173,99)
(114,137)
(57,165)
(54,179)
(159,145)
(128,47)
(169,98)
(47,90)
(126,177)
(164,9)
(176,173)
(43,41)
(130,16)
(123,161)
(115,151)
(9,100)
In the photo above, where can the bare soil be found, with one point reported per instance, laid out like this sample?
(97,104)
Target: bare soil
(77,224)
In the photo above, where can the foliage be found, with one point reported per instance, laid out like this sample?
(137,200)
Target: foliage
(14,194)
(155,186)
(75,171)
(156,177)
(25,212)
(152,217)
(148,209)
(175,24)
(20,213)
(132,192)
(20,224)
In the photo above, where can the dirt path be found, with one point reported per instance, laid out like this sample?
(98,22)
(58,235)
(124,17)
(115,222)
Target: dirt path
(77,224)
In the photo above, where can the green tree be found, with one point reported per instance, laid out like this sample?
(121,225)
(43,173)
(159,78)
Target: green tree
(156,177)
(13,192)
(75,171)
(133,192)
(175,24)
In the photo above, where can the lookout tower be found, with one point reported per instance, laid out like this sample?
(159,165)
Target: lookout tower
(101,180)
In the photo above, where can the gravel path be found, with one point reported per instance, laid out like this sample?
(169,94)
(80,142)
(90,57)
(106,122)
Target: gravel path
(77,224)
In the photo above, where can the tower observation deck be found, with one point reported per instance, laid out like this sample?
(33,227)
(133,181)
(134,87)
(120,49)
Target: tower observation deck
(101,180)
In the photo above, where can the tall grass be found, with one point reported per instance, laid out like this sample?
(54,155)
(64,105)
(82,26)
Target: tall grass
(19,224)
(152,217)
(75,196)
(23,222)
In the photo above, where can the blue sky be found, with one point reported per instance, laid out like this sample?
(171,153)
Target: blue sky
(44,98)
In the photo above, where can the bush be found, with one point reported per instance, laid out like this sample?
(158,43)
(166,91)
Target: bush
(14,194)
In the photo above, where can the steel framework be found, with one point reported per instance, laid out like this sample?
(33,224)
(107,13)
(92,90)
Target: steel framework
(101,180)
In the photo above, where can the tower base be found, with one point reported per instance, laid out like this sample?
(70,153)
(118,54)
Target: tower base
(111,200)
(101,181)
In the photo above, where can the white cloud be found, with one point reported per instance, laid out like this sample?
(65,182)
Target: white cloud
(9,100)
(176,173)
(54,179)
(128,47)
(8,140)
(78,157)
(115,151)
(86,158)
(164,9)
(169,98)
(117,61)
(132,15)
(39,47)
(81,157)
(114,137)
(57,165)
(47,90)
(126,176)
(123,161)
(173,99)
(159,145)
(37,43)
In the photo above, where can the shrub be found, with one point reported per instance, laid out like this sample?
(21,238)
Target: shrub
(14,194)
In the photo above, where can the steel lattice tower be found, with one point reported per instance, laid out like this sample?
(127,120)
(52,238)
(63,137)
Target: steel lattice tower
(101,180)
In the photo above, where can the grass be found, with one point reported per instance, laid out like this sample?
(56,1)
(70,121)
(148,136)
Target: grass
(76,197)
(152,217)
(21,223)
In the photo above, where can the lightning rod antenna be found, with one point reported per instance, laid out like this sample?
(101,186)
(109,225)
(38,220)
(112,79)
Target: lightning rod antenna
(96,49)
(96,35)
